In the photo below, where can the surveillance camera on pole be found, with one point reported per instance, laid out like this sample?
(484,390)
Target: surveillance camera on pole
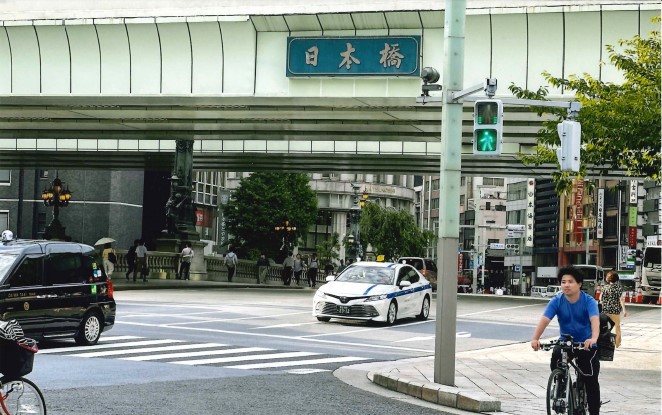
(430,77)
(569,155)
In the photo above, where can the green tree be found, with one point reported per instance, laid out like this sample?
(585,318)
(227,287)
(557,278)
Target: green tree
(620,123)
(393,233)
(327,251)
(263,201)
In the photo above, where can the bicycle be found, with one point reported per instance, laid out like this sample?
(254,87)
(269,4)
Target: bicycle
(18,395)
(565,395)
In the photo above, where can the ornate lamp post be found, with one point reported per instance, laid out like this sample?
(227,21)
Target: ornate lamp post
(287,228)
(57,196)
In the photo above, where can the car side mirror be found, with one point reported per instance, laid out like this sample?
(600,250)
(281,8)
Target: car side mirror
(404,284)
(330,278)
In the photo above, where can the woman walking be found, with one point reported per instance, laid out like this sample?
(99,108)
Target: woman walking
(612,302)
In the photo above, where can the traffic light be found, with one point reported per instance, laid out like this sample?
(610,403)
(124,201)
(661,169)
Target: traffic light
(569,155)
(488,127)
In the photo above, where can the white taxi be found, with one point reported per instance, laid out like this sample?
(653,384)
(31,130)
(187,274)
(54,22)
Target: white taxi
(379,291)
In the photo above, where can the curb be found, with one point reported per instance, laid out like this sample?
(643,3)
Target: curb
(177,285)
(439,394)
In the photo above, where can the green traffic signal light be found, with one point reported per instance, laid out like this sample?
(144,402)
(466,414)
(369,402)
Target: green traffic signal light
(486,139)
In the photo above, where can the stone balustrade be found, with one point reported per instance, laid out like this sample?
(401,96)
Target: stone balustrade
(164,265)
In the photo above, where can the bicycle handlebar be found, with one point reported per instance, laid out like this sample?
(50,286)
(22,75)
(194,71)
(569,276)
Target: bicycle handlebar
(565,344)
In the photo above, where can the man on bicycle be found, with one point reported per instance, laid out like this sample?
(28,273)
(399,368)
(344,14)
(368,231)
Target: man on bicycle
(578,316)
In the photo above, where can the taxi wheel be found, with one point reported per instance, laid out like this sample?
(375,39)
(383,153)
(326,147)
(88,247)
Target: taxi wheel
(324,319)
(392,314)
(90,330)
(425,309)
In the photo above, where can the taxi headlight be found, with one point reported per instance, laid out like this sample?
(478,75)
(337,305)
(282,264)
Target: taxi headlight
(320,295)
(377,297)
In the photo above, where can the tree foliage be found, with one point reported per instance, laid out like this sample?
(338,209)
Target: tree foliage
(393,233)
(327,251)
(620,123)
(262,202)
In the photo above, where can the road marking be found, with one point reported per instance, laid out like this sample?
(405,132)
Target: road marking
(498,309)
(108,346)
(244,358)
(105,339)
(297,363)
(284,325)
(277,336)
(221,320)
(306,371)
(415,339)
(463,334)
(149,349)
(195,354)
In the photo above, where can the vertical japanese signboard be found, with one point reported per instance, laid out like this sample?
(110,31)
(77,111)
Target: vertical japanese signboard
(632,230)
(353,56)
(579,210)
(530,210)
(634,185)
(599,225)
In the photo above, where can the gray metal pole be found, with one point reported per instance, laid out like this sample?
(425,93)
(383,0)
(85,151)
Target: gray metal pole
(521,265)
(449,206)
(586,242)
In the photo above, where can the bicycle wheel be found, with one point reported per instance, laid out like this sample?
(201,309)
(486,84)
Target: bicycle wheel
(580,405)
(22,397)
(557,400)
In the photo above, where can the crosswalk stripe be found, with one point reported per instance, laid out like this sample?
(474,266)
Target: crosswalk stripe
(243,358)
(195,354)
(106,339)
(148,350)
(108,346)
(298,363)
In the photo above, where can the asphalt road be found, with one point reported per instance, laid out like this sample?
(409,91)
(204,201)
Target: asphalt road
(244,351)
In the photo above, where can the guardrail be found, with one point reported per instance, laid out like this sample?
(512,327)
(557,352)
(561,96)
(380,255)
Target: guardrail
(164,265)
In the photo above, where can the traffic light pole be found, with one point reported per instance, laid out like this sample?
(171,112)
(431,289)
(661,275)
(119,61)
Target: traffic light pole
(449,206)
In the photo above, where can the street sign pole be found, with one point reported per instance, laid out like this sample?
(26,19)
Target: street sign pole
(449,206)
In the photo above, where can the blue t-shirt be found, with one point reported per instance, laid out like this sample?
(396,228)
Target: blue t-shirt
(574,319)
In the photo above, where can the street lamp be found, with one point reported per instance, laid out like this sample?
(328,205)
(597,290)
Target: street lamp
(287,228)
(57,196)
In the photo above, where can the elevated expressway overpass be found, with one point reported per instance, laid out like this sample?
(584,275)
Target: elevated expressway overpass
(115,89)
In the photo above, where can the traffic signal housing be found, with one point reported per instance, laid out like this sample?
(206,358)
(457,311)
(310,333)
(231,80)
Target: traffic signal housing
(569,155)
(488,127)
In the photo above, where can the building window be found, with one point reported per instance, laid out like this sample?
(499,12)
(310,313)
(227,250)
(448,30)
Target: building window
(515,216)
(517,191)
(494,181)
(462,200)
(434,203)
(611,223)
(4,219)
(5,177)
(462,180)
(435,184)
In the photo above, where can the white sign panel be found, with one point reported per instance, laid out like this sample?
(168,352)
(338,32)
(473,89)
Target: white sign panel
(633,191)
(600,214)
(497,246)
(530,209)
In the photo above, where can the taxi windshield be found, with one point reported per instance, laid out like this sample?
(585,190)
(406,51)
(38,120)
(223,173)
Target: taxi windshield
(6,261)
(368,275)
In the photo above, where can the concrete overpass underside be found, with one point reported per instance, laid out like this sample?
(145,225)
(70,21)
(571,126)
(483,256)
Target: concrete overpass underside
(380,135)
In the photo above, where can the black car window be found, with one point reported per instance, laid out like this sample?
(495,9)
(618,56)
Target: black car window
(413,276)
(27,274)
(403,274)
(430,265)
(93,268)
(64,269)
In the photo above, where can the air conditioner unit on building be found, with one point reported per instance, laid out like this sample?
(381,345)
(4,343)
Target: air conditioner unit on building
(471,204)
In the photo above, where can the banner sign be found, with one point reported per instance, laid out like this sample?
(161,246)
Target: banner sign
(600,214)
(460,262)
(633,191)
(579,210)
(353,56)
(632,216)
(632,237)
(530,210)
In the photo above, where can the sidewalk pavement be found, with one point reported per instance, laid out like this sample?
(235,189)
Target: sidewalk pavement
(512,379)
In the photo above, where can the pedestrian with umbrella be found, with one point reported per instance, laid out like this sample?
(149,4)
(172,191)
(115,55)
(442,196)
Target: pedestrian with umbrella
(108,254)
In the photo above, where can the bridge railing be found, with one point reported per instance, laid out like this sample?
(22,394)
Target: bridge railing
(164,265)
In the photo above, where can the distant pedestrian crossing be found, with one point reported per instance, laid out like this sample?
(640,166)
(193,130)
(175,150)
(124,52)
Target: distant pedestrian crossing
(179,352)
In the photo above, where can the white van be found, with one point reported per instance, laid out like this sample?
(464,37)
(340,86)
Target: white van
(538,291)
(552,290)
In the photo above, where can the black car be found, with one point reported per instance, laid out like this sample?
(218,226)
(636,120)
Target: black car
(55,290)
